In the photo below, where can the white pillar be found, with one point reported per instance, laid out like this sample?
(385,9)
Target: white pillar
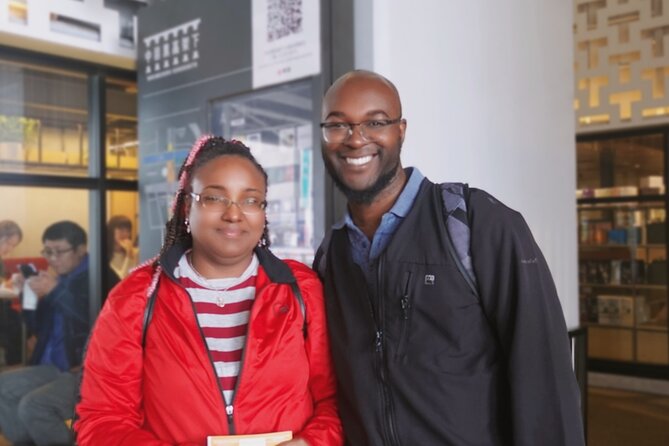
(487,92)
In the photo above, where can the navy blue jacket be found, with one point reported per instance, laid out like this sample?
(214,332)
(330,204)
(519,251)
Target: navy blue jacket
(70,299)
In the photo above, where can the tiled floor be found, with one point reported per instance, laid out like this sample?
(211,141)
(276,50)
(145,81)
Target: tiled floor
(624,418)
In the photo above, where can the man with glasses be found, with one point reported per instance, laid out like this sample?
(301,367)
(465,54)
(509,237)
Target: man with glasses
(36,400)
(422,354)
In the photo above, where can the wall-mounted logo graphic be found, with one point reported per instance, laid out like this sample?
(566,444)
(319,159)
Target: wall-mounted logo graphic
(172,51)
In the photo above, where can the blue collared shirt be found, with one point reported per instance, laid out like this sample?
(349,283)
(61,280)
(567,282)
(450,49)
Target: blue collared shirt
(365,252)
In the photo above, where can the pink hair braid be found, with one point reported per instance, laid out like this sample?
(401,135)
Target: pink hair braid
(199,144)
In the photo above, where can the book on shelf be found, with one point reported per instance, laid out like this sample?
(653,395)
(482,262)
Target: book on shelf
(267,439)
(652,181)
(615,310)
(612,272)
(616,191)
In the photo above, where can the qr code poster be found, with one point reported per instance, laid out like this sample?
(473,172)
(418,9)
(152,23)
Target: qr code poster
(286,40)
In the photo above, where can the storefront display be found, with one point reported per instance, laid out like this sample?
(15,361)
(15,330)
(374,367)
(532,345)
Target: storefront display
(622,248)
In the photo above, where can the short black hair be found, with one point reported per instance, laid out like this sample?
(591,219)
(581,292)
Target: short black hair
(66,230)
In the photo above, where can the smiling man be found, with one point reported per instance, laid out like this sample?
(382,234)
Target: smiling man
(424,353)
(36,400)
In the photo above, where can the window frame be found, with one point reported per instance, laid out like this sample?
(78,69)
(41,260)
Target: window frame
(97,182)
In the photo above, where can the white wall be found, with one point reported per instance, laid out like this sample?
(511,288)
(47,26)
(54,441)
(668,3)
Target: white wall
(487,92)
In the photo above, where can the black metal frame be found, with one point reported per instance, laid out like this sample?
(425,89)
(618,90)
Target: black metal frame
(97,183)
(579,346)
(338,57)
(625,367)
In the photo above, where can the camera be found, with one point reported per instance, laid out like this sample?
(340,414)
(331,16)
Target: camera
(28,270)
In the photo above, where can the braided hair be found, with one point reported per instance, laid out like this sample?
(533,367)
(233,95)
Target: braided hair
(204,150)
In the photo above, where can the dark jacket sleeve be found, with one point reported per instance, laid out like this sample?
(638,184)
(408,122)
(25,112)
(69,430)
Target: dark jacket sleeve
(70,299)
(324,427)
(520,300)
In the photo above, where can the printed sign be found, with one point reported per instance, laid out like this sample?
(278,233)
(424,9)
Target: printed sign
(172,51)
(286,40)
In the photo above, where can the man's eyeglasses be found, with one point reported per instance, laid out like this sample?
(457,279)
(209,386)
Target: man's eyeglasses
(336,132)
(218,203)
(55,253)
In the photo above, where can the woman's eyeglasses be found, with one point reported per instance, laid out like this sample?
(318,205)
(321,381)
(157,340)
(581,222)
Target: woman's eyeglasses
(219,203)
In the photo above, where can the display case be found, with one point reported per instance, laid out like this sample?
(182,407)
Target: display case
(622,248)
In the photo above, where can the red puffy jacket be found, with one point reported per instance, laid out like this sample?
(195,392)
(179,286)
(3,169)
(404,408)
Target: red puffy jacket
(168,393)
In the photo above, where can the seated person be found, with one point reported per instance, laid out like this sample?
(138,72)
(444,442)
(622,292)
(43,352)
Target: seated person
(36,400)
(121,249)
(10,321)
(10,237)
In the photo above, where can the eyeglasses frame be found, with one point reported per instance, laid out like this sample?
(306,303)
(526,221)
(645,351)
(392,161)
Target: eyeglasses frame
(198,199)
(350,125)
(55,253)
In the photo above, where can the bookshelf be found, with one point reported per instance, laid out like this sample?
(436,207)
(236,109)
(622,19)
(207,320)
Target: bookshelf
(622,230)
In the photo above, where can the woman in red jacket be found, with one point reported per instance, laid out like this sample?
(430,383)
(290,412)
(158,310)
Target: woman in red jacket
(217,336)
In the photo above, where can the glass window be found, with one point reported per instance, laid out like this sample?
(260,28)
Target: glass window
(277,124)
(33,211)
(122,145)
(622,247)
(623,280)
(43,120)
(621,166)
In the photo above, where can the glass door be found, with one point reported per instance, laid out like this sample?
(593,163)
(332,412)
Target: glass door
(622,247)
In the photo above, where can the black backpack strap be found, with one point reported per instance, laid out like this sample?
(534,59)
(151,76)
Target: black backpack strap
(456,212)
(280,272)
(148,310)
(320,258)
(456,201)
(303,308)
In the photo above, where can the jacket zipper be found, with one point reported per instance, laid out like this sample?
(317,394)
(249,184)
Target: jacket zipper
(379,345)
(378,348)
(230,408)
(405,307)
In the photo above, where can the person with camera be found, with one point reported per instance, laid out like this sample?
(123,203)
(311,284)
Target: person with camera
(36,400)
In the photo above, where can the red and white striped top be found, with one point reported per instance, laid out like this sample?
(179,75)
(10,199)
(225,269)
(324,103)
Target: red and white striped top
(223,307)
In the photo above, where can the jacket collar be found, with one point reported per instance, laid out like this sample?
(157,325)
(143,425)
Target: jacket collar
(275,268)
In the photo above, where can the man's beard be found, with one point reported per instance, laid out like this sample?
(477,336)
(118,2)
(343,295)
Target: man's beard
(364,196)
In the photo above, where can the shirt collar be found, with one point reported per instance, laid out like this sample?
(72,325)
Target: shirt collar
(403,203)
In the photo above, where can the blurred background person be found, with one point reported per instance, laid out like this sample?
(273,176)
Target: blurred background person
(120,246)
(10,236)
(10,320)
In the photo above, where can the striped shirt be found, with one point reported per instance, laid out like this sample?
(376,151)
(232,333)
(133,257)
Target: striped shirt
(223,307)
